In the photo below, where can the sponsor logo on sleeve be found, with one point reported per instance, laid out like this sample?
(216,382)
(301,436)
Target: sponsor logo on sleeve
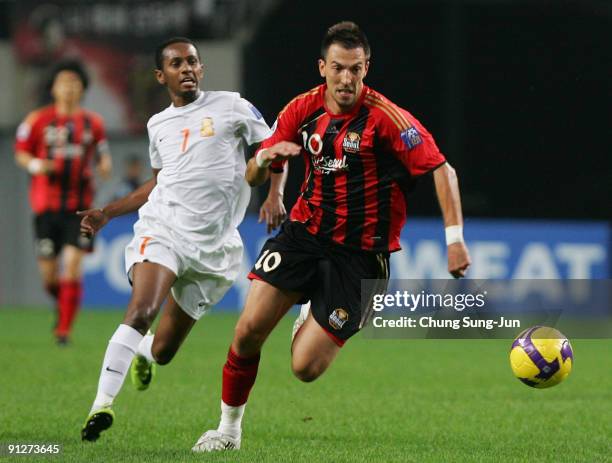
(411,137)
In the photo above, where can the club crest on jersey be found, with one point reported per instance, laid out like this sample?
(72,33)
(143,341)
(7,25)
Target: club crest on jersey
(411,137)
(338,318)
(351,142)
(208,128)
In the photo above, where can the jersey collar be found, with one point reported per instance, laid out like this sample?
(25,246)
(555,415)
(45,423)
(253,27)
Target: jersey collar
(193,104)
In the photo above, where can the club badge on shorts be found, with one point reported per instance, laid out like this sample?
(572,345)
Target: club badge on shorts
(45,247)
(208,128)
(338,318)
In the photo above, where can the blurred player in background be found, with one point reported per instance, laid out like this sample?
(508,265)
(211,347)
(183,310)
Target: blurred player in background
(362,155)
(58,145)
(186,248)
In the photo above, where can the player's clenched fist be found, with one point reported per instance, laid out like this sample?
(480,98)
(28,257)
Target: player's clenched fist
(92,221)
(458,259)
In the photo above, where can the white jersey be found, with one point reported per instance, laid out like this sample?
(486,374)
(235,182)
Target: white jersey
(201,193)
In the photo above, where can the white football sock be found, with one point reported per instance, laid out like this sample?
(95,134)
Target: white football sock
(119,354)
(145,347)
(231,420)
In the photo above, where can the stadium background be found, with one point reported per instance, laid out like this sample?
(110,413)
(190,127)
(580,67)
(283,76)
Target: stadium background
(517,94)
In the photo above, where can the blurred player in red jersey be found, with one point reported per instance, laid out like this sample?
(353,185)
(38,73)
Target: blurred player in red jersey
(59,145)
(362,155)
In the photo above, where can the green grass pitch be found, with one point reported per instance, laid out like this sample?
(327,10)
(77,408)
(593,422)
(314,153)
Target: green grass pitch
(382,401)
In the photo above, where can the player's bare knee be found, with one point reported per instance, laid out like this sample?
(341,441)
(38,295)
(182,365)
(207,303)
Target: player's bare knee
(249,336)
(307,373)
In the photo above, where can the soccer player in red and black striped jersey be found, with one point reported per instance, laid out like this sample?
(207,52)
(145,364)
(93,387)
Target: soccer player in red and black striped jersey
(59,145)
(362,155)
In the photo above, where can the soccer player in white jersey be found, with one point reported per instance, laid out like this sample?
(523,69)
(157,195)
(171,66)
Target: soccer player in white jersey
(186,248)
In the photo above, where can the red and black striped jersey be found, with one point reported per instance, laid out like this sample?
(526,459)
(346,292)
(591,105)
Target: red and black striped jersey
(359,167)
(73,143)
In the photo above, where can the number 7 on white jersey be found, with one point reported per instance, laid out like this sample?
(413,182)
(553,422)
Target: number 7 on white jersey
(185,133)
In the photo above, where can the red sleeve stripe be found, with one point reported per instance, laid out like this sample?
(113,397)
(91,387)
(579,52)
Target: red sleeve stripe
(394,114)
(313,91)
(374,97)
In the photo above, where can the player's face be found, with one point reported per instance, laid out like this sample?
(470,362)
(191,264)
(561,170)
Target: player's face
(182,71)
(67,87)
(343,70)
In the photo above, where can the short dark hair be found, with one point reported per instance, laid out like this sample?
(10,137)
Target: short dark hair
(348,35)
(159,52)
(72,66)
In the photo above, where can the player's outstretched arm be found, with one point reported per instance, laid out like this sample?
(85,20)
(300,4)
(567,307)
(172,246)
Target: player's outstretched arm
(447,190)
(94,219)
(257,171)
(273,210)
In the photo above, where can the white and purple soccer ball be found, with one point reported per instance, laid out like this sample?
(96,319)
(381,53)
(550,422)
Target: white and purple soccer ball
(541,357)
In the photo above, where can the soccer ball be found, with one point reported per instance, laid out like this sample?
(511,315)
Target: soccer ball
(541,357)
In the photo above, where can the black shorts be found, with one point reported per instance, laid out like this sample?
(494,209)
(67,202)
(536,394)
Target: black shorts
(54,230)
(327,274)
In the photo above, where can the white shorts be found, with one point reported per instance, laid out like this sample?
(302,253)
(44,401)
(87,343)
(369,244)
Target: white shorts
(203,277)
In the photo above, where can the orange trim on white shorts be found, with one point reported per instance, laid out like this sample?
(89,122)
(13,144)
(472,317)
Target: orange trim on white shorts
(143,245)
